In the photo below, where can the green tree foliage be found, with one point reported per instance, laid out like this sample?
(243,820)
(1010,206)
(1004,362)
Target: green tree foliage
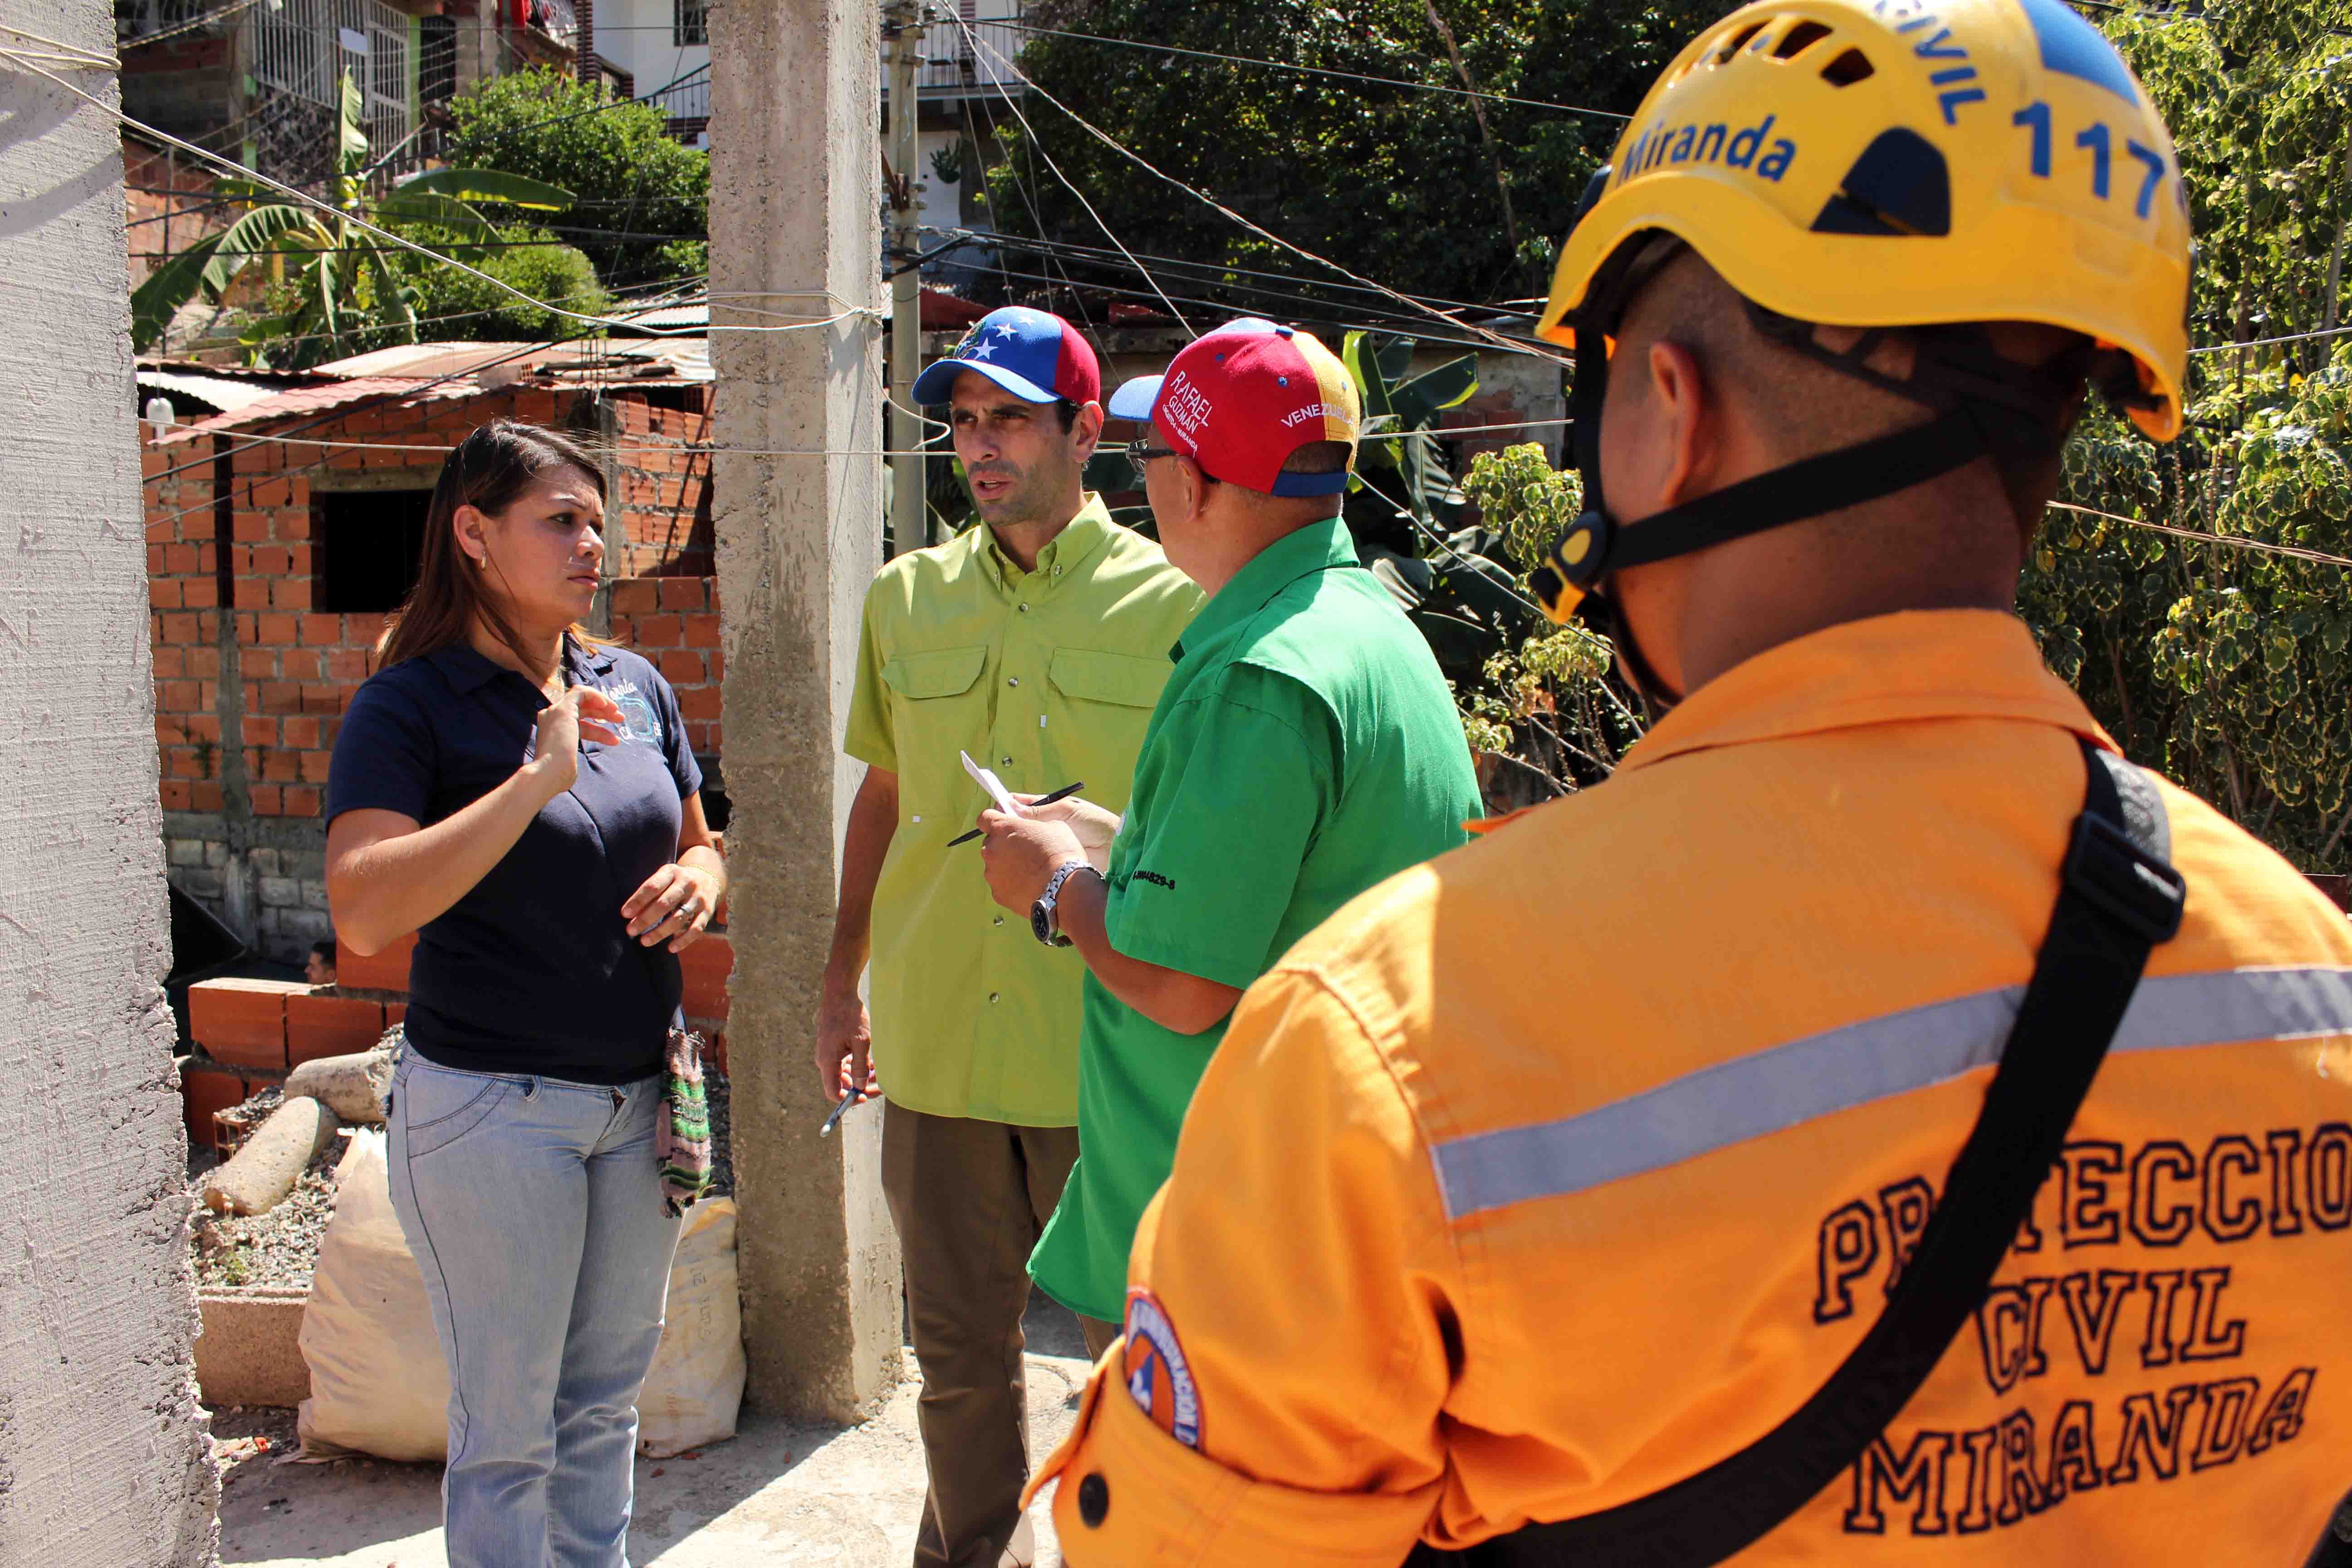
(641,200)
(1399,185)
(342,289)
(451,304)
(2227,667)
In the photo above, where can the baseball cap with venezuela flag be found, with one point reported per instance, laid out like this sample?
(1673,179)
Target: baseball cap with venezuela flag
(1242,399)
(1034,355)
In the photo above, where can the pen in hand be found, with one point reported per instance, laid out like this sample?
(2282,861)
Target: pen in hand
(848,1099)
(1065,793)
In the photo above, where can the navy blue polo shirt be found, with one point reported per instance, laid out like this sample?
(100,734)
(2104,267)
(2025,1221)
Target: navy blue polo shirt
(534,971)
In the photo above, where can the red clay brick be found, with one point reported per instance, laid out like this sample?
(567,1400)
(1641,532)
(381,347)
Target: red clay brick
(200,593)
(302,734)
(181,558)
(324,700)
(658,631)
(206,794)
(174,696)
(202,727)
(278,629)
(699,702)
(277,697)
(300,664)
(281,767)
(272,561)
(702,631)
(683,594)
(269,800)
(363,630)
(680,668)
(706,965)
(248,630)
(323,1023)
(314,768)
(386,971)
(317,630)
(636,596)
(347,664)
(204,1089)
(394,1013)
(178,796)
(258,730)
(241,1022)
(302,801)
(247,527)
(163,594)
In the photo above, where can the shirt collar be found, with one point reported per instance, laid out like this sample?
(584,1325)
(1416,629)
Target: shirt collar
(465,670)
(1316,547)
(1063,554)
(1916,665)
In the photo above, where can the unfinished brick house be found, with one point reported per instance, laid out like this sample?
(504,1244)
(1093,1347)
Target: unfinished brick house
(282,528)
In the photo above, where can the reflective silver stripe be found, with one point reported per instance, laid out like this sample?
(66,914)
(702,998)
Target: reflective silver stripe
(1769,1090)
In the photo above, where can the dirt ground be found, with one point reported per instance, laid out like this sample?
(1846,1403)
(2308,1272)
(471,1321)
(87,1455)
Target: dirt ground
(792,1496)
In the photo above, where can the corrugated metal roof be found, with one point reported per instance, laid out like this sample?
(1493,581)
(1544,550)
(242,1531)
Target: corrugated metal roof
(225,393)
(471,370)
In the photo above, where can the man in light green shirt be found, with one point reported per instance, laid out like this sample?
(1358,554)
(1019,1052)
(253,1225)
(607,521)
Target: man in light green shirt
(1037,642)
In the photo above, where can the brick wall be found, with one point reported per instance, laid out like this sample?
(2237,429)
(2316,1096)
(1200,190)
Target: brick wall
(161,223)
(250,693)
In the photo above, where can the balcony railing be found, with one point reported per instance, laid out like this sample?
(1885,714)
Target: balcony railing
(956,60)
(687,99)
(302,47)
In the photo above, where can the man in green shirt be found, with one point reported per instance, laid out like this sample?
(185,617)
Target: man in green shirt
(1037,643)
(1304,749)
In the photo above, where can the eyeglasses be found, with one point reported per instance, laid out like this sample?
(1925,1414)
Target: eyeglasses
(1141,451)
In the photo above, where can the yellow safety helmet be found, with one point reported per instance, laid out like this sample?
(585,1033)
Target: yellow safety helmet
(1895,164)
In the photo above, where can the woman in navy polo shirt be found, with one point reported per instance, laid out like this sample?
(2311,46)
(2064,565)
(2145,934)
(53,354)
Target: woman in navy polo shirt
(524,800)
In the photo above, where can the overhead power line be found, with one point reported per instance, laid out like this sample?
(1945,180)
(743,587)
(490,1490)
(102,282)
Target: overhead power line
(1313,70)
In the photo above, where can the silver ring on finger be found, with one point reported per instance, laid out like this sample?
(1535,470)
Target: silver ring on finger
(684,912)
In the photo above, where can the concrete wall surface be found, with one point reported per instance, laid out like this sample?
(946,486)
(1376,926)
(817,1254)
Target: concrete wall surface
(104,1457)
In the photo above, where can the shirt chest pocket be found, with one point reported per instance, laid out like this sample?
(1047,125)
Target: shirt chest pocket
(1103,703)
(938,708)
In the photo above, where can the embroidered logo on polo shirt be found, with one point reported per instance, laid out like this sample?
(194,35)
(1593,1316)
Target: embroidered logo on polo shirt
(1158,1378)
(637,713)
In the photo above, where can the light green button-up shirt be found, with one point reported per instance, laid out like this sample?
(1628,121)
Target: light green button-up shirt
(1048,677)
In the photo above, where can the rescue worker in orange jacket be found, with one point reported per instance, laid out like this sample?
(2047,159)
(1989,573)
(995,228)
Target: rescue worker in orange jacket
(1546,1176)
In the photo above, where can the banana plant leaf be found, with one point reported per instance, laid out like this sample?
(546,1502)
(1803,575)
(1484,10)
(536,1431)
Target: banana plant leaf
(262,229)
(155,302)
(484,186)
(1433,391)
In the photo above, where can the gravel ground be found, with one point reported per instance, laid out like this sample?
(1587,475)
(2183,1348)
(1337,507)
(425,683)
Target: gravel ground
(281,1247)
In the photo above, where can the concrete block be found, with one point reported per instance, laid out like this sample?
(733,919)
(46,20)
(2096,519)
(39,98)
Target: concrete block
(263,860)
(322,1023)
(386,971)
(248,1352)
(280,893)
(241,1023)
(186,852)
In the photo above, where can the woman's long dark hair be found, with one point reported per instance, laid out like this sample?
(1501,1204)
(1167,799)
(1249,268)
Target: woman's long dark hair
(490,469)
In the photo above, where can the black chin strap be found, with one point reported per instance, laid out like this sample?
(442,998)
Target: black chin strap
(1813,487)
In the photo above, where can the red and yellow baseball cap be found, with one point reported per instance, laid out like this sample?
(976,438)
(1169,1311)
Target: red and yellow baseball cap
(1242,399)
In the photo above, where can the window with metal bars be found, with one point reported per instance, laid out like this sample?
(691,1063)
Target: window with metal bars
(690,21)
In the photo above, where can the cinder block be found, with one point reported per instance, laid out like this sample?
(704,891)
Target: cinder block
(386,971)
(206,1088)
(322,1023)
(248,1352)
(241,1023)
(707,965)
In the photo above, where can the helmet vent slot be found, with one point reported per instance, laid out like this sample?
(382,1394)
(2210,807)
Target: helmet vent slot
(1737,41)
(1900,185)
(1798,39)
(1848,69)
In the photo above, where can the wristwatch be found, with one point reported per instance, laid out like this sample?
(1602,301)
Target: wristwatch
(1043,919)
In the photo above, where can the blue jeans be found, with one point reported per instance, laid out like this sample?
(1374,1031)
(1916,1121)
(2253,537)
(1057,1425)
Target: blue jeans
(535,1212)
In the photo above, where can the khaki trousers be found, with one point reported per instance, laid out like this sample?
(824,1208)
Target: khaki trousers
(968,1199)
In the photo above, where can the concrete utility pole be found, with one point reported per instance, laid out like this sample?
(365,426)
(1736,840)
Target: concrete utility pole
(103,1458)
(794,232)
(902,35)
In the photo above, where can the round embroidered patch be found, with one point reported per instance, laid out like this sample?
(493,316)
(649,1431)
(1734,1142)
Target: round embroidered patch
(1157,1379)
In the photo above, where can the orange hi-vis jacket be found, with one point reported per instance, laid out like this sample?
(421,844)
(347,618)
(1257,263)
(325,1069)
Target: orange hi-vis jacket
(1552,1172)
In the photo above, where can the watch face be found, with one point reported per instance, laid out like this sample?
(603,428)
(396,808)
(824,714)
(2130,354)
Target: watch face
(1038,922)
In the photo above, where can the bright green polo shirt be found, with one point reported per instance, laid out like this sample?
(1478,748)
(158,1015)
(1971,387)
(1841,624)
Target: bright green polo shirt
(1048,677)
(1304,749)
